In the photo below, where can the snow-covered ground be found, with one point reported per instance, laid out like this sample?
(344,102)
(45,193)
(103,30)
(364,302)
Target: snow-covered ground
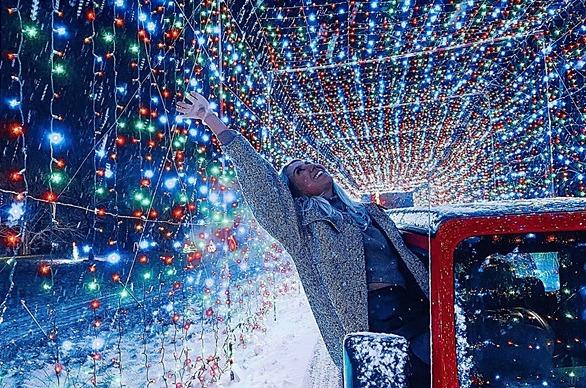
(284,349)
(290,354)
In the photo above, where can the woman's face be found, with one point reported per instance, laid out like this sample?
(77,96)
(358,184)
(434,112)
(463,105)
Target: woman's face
(310,179)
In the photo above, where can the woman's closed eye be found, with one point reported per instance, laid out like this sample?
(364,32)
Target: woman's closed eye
(299,169)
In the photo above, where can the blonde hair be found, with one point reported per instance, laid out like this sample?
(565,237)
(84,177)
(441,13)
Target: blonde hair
(356,210)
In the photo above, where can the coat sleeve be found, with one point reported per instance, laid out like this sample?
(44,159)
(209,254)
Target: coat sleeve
(267,196)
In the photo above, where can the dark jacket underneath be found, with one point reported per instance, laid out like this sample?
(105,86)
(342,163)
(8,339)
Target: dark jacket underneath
(382,259)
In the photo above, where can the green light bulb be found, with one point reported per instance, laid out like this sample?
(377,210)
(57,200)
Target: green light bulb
(31,31)
(57,178)
(108,37)
(59,69)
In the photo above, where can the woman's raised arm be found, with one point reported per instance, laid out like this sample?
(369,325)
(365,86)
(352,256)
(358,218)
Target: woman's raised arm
(268,197)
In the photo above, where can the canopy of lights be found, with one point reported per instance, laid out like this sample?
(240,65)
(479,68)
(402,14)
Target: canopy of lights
(448,100)
(479,100)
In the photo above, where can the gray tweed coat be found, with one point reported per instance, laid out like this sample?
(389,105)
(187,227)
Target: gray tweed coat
(329,255)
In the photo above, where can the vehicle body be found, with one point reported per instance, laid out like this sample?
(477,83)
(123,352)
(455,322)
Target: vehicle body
(508,290)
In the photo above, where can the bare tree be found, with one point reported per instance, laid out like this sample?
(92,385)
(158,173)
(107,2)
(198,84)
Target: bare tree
(42,232)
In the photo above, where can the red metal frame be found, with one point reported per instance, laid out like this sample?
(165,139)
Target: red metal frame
(443,245)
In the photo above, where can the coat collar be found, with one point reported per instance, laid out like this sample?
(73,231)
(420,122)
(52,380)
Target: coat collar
(378,215)
(376,212)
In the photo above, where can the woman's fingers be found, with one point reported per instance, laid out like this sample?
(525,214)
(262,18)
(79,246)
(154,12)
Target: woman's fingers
(197,107)
(183,110)
(197,96)
(183,105)
(191,98)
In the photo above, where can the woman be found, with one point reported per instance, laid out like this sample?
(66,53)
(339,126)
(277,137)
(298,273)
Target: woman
(352,261)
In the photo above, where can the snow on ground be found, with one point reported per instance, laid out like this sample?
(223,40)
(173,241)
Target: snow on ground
(284,350)
(291,353)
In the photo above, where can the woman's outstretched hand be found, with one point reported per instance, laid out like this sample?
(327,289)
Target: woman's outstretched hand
(199,108)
